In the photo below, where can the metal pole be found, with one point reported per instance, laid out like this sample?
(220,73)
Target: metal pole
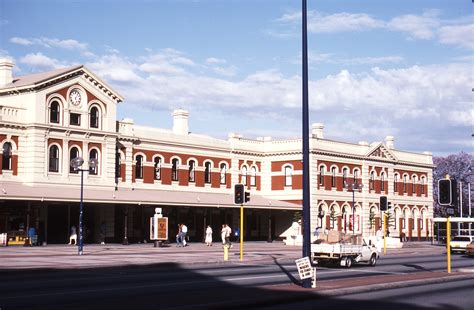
(448,240)
(469,204)
(81,211)
(125,228)
(306,188)
(460,207)
(353,212)
(241,232)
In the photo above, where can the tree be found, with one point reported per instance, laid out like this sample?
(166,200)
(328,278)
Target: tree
(332,217)
(459,167)
(372,220)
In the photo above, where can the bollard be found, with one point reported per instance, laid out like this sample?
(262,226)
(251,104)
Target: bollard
(226,252)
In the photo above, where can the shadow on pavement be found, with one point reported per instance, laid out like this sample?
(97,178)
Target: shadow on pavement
(161,286)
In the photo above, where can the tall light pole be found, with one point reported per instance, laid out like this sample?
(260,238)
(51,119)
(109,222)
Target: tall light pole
(77,163)
(306,194)
(353,187)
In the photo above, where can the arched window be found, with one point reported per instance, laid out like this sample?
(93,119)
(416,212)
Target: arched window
(192,171)
(372,180)
(382,181)
(413,185)
(356,177)
(174,169)
(207,172)
(404,183)
(333,176)
(118,163)
(344,176)
(54,112)
(405,218)
(244,175)
(321,175)
(422,185)
(422,222)
(7,156)
(94,117)
(253,176)
(395,222)
(53,158)
(139,167)
(395,183)
(73,153)
(288,176)
(223,173)
(157,167)
(93,154)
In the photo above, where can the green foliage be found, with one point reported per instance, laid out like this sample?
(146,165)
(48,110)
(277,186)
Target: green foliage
(297,216)
(332,217)
(372,219)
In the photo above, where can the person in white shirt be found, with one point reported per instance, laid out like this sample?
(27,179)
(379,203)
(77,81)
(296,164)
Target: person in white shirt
(184,231)
(208,235)
(228,232)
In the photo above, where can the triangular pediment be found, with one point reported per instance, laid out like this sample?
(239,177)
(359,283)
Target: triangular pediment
(381,152)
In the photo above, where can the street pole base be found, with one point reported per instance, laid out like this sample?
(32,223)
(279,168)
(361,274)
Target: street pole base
(125,241)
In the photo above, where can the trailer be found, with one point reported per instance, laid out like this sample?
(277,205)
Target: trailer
(344,254)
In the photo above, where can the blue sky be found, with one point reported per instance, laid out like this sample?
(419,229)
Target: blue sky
(377,68)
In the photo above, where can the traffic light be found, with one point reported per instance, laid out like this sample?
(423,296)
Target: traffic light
(247,196)
(447,192)
(239,193)
(383,203)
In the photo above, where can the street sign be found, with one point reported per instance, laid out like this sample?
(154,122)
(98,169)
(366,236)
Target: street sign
(158,228)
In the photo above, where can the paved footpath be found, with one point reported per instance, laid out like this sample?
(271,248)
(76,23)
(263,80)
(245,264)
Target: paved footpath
(17,258)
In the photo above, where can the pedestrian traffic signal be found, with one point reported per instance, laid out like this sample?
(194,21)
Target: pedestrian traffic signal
(247,196)
(383,203)
(446,192)
(239,192)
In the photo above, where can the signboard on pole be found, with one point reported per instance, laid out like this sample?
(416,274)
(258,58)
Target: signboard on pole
(158,228)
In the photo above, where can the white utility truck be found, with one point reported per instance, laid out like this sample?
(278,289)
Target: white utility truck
(344,254)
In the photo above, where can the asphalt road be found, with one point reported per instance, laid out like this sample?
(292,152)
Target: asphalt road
(456,295)
(222,285)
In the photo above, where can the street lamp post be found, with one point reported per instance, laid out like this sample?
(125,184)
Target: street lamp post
(353,187)
(77,163)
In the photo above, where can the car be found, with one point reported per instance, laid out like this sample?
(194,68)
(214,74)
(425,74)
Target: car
(459,243)
(470,249)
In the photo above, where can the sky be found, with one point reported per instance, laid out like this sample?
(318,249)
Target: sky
(376,68)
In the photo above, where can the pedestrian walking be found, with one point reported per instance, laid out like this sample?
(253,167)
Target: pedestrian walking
(178,237)
(223,233)
(73,236)
(228,232)
(208,235)
(184,231)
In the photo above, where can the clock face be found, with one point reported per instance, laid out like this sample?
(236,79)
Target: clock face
(75,97)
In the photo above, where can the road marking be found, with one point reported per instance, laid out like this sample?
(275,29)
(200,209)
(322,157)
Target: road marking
(359,270)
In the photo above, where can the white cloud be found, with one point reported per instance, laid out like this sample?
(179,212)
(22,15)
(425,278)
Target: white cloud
(461,35)
(427,26)
(68,44)
(335,59)
(21,41)
(418,27)
(340,22)
(41,62)
(213,60)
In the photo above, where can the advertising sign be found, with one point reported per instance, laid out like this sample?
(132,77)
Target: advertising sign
(158,228)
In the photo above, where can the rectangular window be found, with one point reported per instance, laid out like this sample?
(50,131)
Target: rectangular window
(75,119)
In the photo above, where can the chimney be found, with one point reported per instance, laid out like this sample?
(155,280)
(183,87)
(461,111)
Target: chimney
(317,130)
(389,142)
(180,122)
(6,75)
